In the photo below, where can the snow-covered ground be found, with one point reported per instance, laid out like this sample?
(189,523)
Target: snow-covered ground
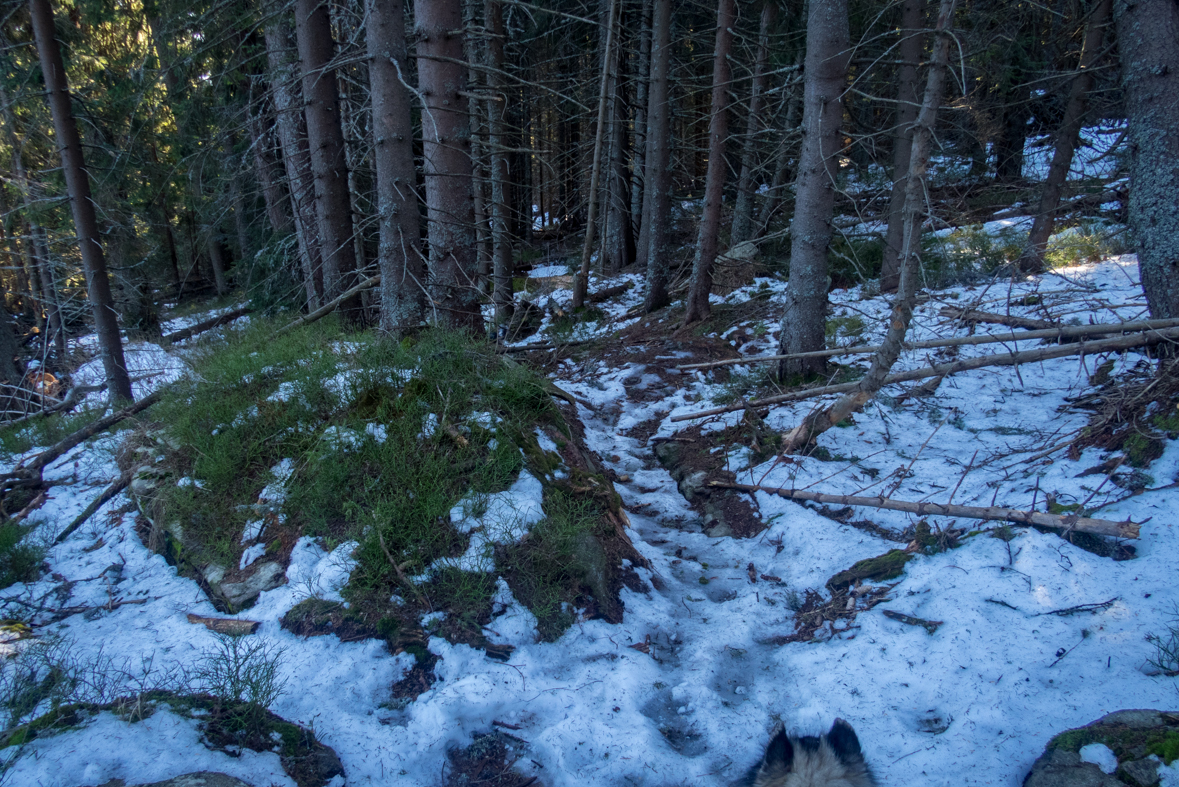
(972,704)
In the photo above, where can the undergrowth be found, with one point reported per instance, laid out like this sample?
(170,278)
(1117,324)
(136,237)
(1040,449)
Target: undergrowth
(383,440)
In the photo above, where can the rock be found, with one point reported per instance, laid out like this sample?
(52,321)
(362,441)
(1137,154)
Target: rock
(1141,773)
(1134,737)
(242,594)
(590,558)
(1059,768)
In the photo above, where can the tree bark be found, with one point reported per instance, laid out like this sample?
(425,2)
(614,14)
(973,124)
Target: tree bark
(403,273)
(85,220)
(296,153)
(827,54)
(217,262)
(657,214)
(743,211)
(1148,41)
(446,149)
(501,239)
(266,170)
(638,171)
(325,136)
(909,53)
(618,251)
(708,236)
(902,310)
(1032,258)
(36,249)
(581,281)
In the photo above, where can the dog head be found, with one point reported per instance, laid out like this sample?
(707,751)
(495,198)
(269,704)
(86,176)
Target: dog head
(832,760)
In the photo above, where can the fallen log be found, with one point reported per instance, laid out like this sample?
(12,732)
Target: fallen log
(1010,320)
(328,308)
(965,365)
(609,292)
(1066,522)
(25,473)
(1063,332)
(118,485)
(207,325)
(230,626)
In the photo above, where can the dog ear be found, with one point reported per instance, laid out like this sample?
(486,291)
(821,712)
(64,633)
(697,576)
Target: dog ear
(780,752)
(843,741)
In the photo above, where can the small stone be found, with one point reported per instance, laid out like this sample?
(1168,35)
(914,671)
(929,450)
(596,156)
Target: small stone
(1143,773)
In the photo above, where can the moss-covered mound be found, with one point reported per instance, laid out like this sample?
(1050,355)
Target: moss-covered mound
(446,465)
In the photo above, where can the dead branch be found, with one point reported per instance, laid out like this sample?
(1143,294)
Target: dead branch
(968,364)
(230,626)
(118,485)
(1063,332)
(1066,522)
(207,325)
(524,348)
(1010,320)
(930,626)
(30,474)
(331,306)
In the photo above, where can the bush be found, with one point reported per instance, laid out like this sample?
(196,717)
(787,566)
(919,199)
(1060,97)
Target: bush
(20,560)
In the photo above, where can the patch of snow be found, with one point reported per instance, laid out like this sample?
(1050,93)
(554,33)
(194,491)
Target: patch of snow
(250,554)
(429,426)
(1100,755)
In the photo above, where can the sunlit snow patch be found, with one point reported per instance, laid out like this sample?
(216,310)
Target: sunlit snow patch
(270,500)
(505,519)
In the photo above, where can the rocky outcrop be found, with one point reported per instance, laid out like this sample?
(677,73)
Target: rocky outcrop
(1122,749)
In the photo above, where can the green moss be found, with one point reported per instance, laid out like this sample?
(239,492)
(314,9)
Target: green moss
(878,569)
(1166,747)
(1142,449)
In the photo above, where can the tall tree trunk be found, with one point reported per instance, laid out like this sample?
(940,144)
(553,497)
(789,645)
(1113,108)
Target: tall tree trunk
(657,213)
(296,153)
(446,149)
(325,135)
(782,173)
(1032,258)
(266,169)
(40,247)
(1148,42)
(501,239)
(581,281)
(827,55)
(743,211)
(40,281)
(708,238)
(909,53)
(98,286)
(820,421)
(638,172)
(403,274)
(216,248)
(619,246)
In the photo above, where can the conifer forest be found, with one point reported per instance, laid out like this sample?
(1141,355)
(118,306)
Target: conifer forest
(538,393)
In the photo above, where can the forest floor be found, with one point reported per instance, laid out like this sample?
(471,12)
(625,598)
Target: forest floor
(1036,635)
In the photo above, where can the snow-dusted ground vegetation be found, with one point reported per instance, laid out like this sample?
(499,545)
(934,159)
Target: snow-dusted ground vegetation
(1035,635)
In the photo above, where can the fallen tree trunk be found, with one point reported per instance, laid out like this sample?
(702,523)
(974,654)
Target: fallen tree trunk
(207,325)
(1069,332)
(1010,320)
(328,308)
(234,627)
(118,485)
(609,292)
(1066,522)
(965,365)
(30,474)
